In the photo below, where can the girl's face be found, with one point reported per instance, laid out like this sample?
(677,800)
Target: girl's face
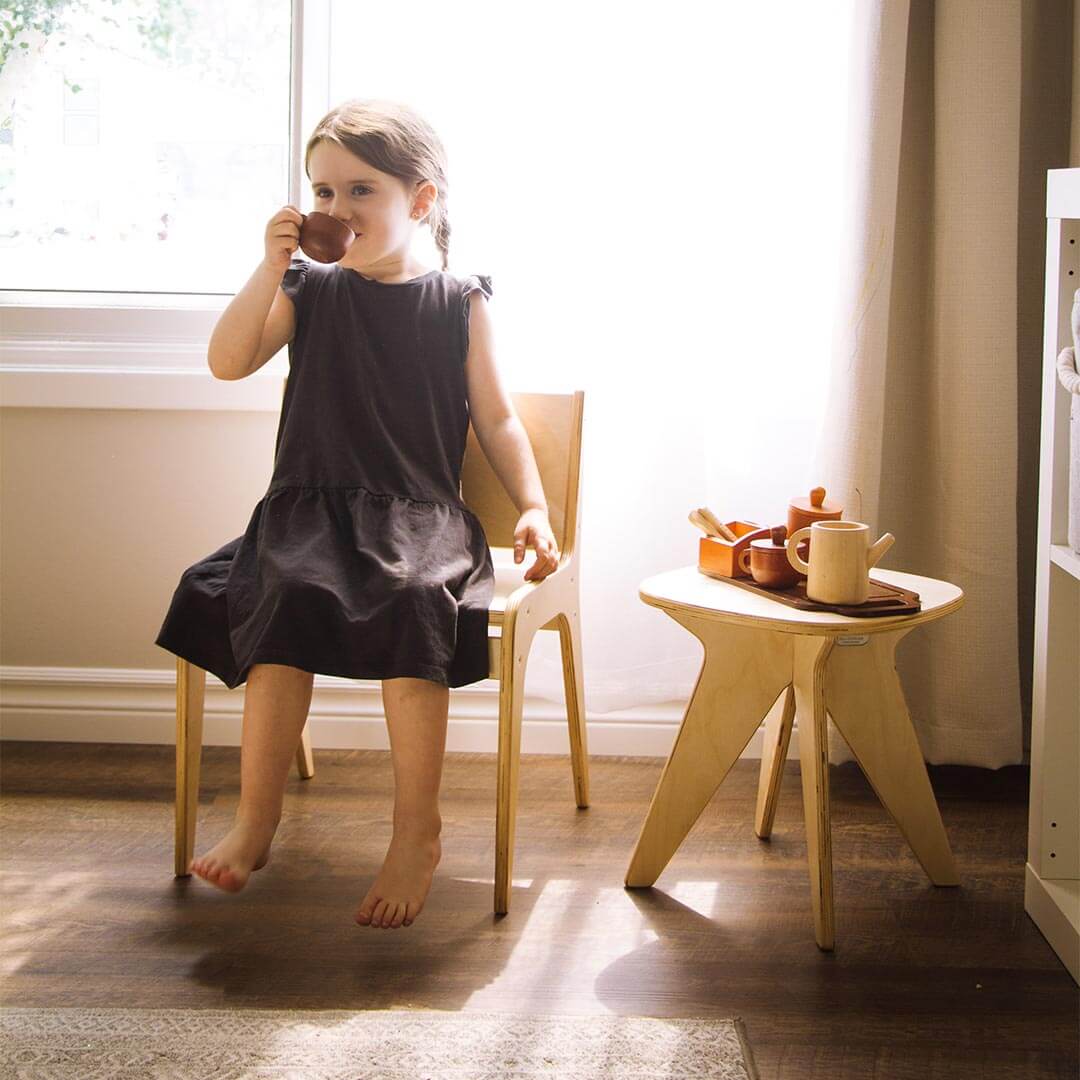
(377,207)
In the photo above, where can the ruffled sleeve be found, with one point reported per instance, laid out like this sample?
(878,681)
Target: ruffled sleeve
(292,284)
(470,285)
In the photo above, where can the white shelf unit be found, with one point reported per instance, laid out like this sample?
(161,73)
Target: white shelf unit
(1052,877)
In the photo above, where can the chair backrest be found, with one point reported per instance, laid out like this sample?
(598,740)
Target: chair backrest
(553,424)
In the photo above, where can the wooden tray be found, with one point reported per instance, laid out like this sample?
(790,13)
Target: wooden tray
(883,599)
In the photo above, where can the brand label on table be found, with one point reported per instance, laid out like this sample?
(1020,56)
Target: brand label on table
(852,639)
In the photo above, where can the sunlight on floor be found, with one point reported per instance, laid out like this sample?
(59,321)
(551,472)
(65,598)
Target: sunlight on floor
(700,896)
(579,916)
(38,906)
(515,883)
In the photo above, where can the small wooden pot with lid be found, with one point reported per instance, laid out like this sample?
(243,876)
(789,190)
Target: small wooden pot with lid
(766,561)
(803,512)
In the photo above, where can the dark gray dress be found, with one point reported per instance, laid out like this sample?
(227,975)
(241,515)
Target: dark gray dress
(361,559)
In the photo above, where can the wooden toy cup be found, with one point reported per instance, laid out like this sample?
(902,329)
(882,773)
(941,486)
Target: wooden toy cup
(766,561)
(324,238)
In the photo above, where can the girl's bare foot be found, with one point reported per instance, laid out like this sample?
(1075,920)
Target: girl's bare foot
(399,891)
(229,863)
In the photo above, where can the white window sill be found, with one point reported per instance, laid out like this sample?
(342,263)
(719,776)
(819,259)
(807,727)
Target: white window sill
(131,387)
(121,351)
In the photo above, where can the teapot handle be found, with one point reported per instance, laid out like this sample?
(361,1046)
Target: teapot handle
(874,553)
(793,541)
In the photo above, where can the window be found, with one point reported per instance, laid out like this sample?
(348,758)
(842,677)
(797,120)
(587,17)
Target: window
(668,178)
(677,169)
(145,144)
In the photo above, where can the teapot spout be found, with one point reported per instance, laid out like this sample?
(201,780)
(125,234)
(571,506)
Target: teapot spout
(879,549)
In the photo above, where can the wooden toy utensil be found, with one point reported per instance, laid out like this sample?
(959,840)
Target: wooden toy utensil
(720,528)
(695,518)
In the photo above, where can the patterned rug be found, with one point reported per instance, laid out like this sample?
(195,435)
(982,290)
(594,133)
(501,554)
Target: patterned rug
(396,1044)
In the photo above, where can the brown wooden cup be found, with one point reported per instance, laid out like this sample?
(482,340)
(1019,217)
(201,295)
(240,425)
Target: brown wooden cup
(766,561)
(324,238)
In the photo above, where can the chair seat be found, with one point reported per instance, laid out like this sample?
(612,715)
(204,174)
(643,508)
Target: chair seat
(509,575)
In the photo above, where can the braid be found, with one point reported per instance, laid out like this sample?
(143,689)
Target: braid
(442,238)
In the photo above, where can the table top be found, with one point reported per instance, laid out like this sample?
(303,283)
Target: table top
(687,589)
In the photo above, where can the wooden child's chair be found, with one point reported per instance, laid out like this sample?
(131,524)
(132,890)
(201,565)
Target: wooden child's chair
(553,423)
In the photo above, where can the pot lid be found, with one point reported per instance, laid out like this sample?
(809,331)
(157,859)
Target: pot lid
(775,541)
(815,505)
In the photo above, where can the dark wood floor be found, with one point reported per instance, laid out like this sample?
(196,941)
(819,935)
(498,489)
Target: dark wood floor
(924,982)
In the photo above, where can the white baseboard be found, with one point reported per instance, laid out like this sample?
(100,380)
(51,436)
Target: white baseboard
(139,706)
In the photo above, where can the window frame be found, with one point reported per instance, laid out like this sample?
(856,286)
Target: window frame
(105,350)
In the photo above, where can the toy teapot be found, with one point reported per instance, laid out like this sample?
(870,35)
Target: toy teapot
(840,559)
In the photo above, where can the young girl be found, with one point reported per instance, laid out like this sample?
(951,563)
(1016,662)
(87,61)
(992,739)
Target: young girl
(361,559)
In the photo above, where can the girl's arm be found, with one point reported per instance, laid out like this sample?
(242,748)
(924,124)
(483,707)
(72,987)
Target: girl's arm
(235,342)
(260,318)
(506,445)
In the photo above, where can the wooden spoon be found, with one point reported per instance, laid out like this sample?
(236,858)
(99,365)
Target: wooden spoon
(695,518)
(717,524)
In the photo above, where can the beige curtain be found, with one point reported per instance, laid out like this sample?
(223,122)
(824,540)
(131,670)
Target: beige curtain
(931,430)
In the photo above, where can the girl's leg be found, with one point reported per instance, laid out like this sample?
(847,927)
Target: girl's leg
(416,715)
(276,703)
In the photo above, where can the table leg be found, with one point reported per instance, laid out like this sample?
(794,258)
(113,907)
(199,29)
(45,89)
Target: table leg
(866,700)
(741,675)
(808,677)
(774,748)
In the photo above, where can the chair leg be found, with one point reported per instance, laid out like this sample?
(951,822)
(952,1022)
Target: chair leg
(808,669)
(190,698)
(574,685)
(514,649)
(867,705)
(305,762)
(774,748)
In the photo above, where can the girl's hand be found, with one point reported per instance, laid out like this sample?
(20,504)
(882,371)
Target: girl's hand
(282,238)
(534,530)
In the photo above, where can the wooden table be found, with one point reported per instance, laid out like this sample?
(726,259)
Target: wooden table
(766,659)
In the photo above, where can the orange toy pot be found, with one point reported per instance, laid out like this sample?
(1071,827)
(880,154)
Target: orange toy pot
(767,561)
(803,512)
